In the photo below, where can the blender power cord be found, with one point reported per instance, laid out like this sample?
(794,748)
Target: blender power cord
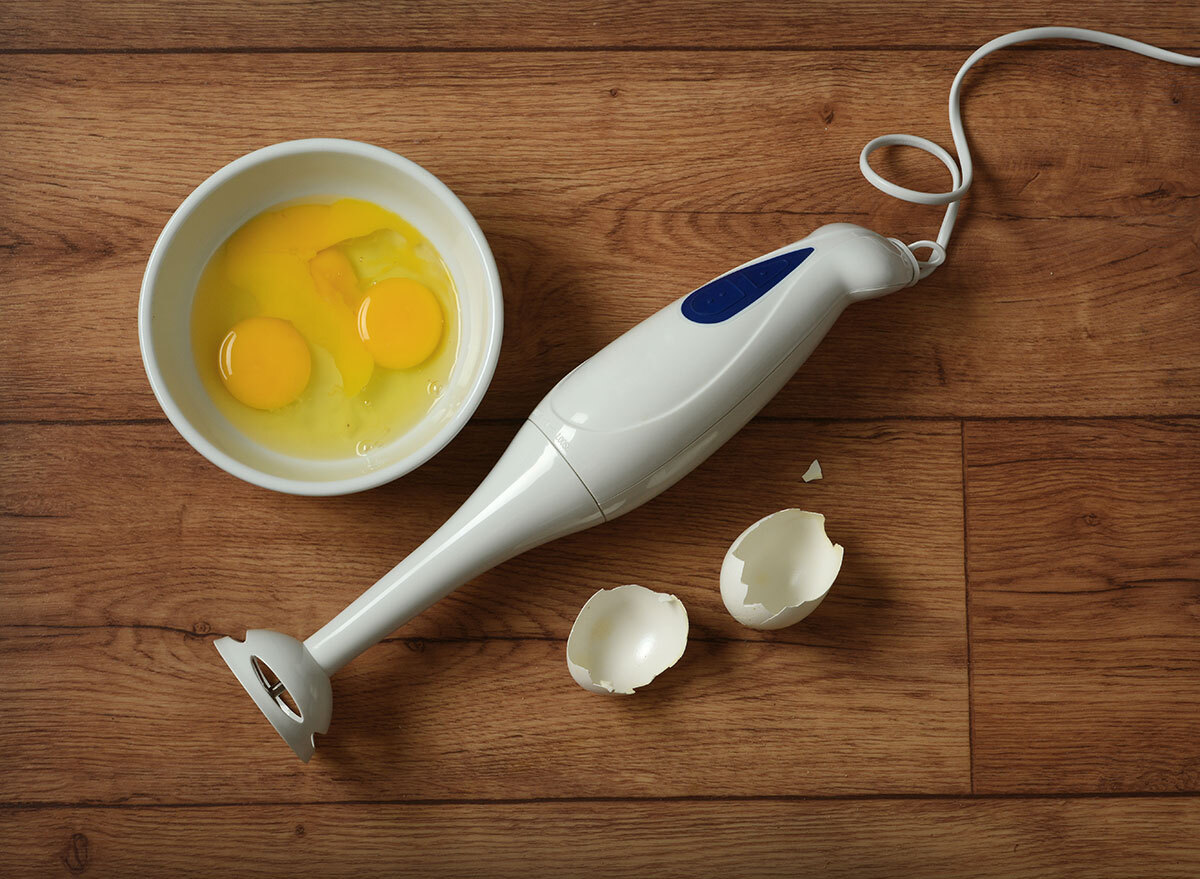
(961,171)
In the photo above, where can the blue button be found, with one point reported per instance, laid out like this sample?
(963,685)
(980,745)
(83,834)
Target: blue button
(715,298)
(723,298)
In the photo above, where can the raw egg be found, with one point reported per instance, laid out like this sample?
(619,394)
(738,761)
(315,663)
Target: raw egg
(325,329)
(264,362)
(400,322)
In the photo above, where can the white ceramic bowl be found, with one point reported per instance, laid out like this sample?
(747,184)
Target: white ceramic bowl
(254,183)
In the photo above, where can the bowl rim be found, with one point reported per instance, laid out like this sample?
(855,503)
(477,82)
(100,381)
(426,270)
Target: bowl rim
(364,481)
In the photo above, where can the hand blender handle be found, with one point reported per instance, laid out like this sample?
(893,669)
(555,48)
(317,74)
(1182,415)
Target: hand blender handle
(633,419)
(650,407)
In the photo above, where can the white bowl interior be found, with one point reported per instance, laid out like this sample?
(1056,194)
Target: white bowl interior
(226,202)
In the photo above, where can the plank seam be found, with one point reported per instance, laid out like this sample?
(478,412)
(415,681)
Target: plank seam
(762,419)
(689,798)
(967,609)
(964,48)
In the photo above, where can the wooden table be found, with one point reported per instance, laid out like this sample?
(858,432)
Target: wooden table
(1006,679)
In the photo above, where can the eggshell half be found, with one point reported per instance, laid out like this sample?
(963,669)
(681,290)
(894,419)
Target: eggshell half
(624,638)
(779,570)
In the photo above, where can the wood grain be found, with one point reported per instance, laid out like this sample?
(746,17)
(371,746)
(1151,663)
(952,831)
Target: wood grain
(870,695)
(154,24)
(972,839)
(1071,289)
(617,155)
(493,719)
(1085,598)
(92,537)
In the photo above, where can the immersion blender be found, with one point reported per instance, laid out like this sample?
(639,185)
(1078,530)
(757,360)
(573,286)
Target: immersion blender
(628,423)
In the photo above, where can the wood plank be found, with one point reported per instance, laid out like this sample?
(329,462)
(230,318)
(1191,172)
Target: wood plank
(1085,583)
(146,716)
(211,554)
(1001,839)
(1068,295)
(868,694)
(154,24)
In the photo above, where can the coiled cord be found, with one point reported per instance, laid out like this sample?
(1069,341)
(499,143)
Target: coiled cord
(961,170)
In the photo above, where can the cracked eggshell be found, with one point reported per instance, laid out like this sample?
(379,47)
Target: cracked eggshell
(779,570)
(624,638)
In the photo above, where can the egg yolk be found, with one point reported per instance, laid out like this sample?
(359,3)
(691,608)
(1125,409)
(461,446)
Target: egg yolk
(400,322)
(334,277)
(265,363)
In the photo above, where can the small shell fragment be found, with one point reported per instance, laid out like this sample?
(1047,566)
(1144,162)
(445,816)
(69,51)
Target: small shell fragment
(779,570)
(813,472)
(624,638)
